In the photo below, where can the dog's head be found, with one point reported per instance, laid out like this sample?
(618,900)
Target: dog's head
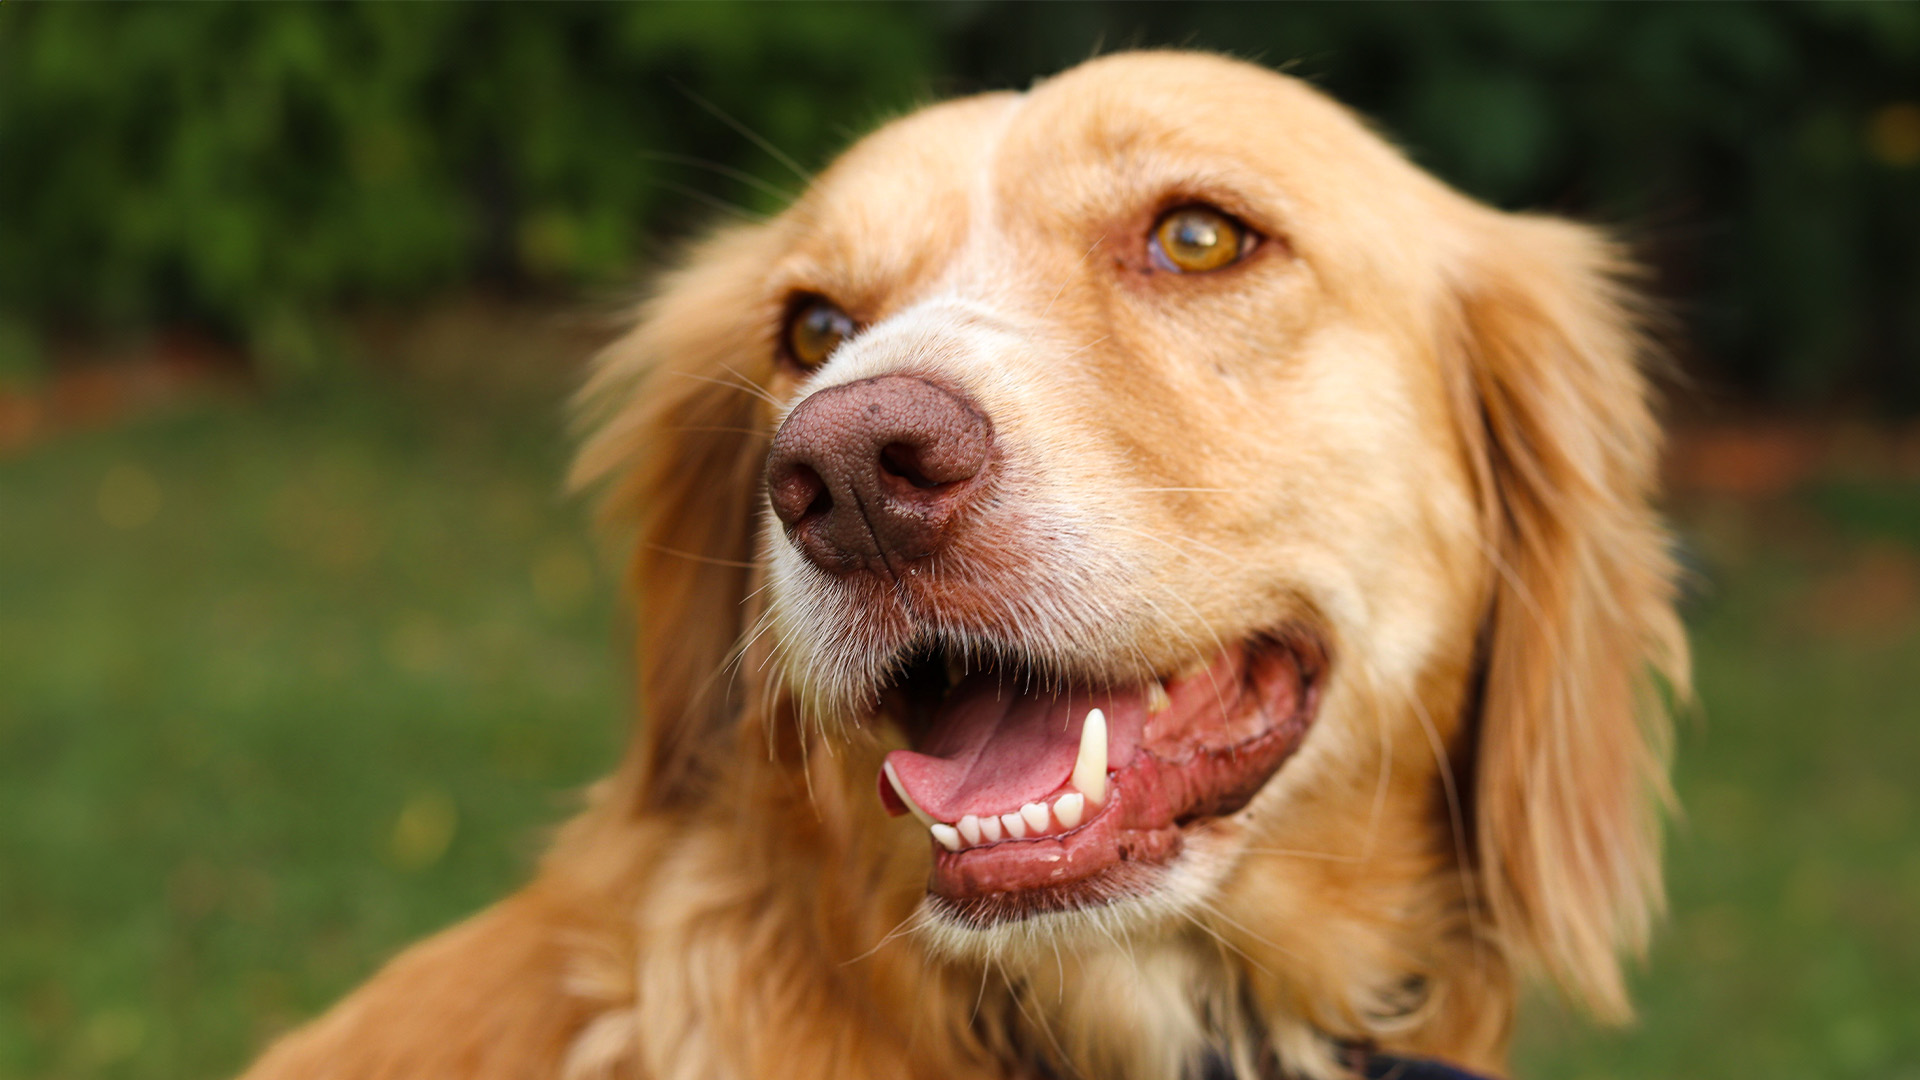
(1174,508)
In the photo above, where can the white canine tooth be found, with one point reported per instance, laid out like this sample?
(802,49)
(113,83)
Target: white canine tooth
(948,836)
(1090,769)
(1016,825)
(925,818)
(1035,815)
(1157,699)
(990,828)
(970,829)
(1069,809)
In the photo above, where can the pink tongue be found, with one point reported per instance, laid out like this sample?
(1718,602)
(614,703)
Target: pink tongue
(992,748)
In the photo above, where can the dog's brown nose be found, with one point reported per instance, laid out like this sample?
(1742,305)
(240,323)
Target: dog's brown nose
(871,474)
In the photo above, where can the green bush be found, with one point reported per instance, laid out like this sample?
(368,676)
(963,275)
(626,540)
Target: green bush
(1765,158)
(240,166)
(243,167)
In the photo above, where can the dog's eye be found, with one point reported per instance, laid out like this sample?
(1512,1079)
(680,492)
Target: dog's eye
(814,329)
(1195,239)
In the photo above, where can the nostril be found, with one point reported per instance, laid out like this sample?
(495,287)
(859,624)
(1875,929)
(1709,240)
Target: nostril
(903,460)
(798,493)
(821,503)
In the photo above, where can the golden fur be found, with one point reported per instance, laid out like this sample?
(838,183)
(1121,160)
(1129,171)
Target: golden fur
(1419,424)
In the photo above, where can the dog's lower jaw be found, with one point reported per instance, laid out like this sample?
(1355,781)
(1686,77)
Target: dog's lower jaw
(780,928)
(1145,987)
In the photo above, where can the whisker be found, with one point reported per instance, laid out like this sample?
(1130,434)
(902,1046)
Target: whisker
(1100,924)
(727,171)
(1215,911)
(914,917)
(1038,1018)
(1303,854)
(1168,544)
(1377,812)
(1068,280)
(1456,812)
(751,136)
(980,995)
(709,560)
(748,388)
(1085,347)
(712,200)
(765,394)
(723,430)
(1223,942)
(1060,973)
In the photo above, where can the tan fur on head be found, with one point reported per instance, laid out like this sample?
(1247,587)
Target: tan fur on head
(1413,429)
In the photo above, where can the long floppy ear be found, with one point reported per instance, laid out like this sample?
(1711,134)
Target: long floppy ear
(1571,760)
(677,426)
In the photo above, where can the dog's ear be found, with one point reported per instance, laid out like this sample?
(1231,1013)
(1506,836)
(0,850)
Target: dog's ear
(677,421)
(1570,764)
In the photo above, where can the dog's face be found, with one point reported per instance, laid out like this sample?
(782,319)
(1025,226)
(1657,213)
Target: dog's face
(1186,512)
(1104,397)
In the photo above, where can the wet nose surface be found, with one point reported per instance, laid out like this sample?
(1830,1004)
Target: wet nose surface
(873,474)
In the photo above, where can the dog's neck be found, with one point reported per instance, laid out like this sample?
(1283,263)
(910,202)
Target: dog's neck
(1131,1009)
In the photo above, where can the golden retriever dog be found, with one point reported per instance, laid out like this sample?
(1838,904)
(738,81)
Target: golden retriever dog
(1134,580)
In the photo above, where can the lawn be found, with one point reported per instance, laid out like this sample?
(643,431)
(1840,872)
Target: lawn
(288,680)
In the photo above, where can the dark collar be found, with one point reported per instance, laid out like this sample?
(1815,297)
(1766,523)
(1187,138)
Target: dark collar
(1382,1067)
(1372,1067)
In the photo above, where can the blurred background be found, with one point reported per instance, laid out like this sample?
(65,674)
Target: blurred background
(302,651)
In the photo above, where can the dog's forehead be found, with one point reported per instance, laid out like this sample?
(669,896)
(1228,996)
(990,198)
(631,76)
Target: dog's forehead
(1080,155)
(1180,112)
(892,208)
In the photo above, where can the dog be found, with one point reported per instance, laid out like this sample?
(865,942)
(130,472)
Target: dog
(1134,579)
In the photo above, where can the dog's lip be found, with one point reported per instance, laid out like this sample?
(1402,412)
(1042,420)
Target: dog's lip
(1196,766)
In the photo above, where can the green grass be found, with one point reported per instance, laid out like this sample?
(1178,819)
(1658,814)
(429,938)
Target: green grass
(284,685)
(281,688)
(1794,946)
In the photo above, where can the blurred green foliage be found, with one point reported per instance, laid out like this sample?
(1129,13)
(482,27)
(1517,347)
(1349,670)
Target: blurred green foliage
(245,167)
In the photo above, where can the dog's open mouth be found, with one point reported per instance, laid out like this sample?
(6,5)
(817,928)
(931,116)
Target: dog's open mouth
(1038,791)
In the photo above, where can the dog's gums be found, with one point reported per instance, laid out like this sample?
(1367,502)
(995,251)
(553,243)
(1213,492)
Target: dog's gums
(1033,794)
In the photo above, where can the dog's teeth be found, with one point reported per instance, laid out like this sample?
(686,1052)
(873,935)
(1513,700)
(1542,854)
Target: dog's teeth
(1069,809)
(1035,815)
(1090,769)
(947,835)
(970,829)
(925,818)
(990,828)
(1016,825)
(1157,699)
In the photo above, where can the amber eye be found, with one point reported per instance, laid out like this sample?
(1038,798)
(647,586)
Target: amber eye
(814,329)
(1195,239)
